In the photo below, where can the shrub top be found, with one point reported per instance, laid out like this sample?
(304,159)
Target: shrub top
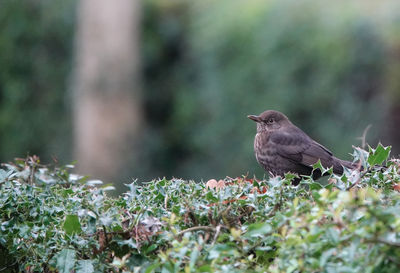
(52,220)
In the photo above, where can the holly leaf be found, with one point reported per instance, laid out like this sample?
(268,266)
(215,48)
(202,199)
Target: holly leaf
(258,230)
(65,260)
(379,155)
(85,266)
(72,224)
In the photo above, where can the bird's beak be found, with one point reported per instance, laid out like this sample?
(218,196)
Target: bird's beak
(254,117)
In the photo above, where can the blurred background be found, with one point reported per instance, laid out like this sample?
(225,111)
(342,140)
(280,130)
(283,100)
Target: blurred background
(154,88)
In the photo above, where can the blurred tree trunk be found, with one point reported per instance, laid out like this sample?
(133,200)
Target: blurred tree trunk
(107,109)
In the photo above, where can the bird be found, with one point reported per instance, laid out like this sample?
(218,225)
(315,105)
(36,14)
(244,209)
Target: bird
(281,147)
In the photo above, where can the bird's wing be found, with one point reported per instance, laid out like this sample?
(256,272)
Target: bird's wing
(300,149)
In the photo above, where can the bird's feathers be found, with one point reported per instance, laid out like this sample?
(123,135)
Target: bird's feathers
(281,147)
(301,149)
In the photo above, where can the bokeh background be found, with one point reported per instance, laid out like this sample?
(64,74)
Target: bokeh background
(191,72)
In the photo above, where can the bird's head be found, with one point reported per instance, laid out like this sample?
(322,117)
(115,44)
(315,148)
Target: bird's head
(270,120)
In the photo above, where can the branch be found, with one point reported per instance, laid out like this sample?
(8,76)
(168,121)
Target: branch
(383,241)
(218,229)
(362,174)
(364,136)
(206,228)
(386,242)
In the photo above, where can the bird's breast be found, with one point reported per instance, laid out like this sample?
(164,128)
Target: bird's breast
(264,151)
(262,144)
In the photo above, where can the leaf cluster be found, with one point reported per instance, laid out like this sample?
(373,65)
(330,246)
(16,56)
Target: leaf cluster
(55,221)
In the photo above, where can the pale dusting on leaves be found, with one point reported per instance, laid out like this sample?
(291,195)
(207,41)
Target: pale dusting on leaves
(53,220)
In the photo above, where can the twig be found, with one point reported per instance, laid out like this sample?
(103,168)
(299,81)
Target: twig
(224,215)
(206,228)
(7,266)
(364,136)
(218,230)
(359,179)
(166,201)
(386,242)
(382,241)
(272,212)
(32,162)
(105,234)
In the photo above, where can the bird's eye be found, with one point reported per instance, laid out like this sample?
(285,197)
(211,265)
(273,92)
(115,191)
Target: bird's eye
(270,120)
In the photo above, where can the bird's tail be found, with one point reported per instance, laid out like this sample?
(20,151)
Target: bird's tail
(339,164)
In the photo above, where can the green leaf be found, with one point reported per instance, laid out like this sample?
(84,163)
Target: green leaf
(210,197)
(65,260)
(193,257)
(258,230)
(290,176)
(150,248)
(129,243)
(152,268)
(3,175)
(379,155)
(72,224)
(106,220)
(326,255)
(318,165)
(332,235)
(315,186)
(205,268)
(85,266)
(360,155)
(221,250)
(108,187)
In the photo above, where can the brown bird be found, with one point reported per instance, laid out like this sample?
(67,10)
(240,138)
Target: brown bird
(281,147)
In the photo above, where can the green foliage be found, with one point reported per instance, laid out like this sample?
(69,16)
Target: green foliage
(299,57)
(378,155)
(52,220)
(35,62)
(65,260)
(71,224)
(323,67)
(205,66)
